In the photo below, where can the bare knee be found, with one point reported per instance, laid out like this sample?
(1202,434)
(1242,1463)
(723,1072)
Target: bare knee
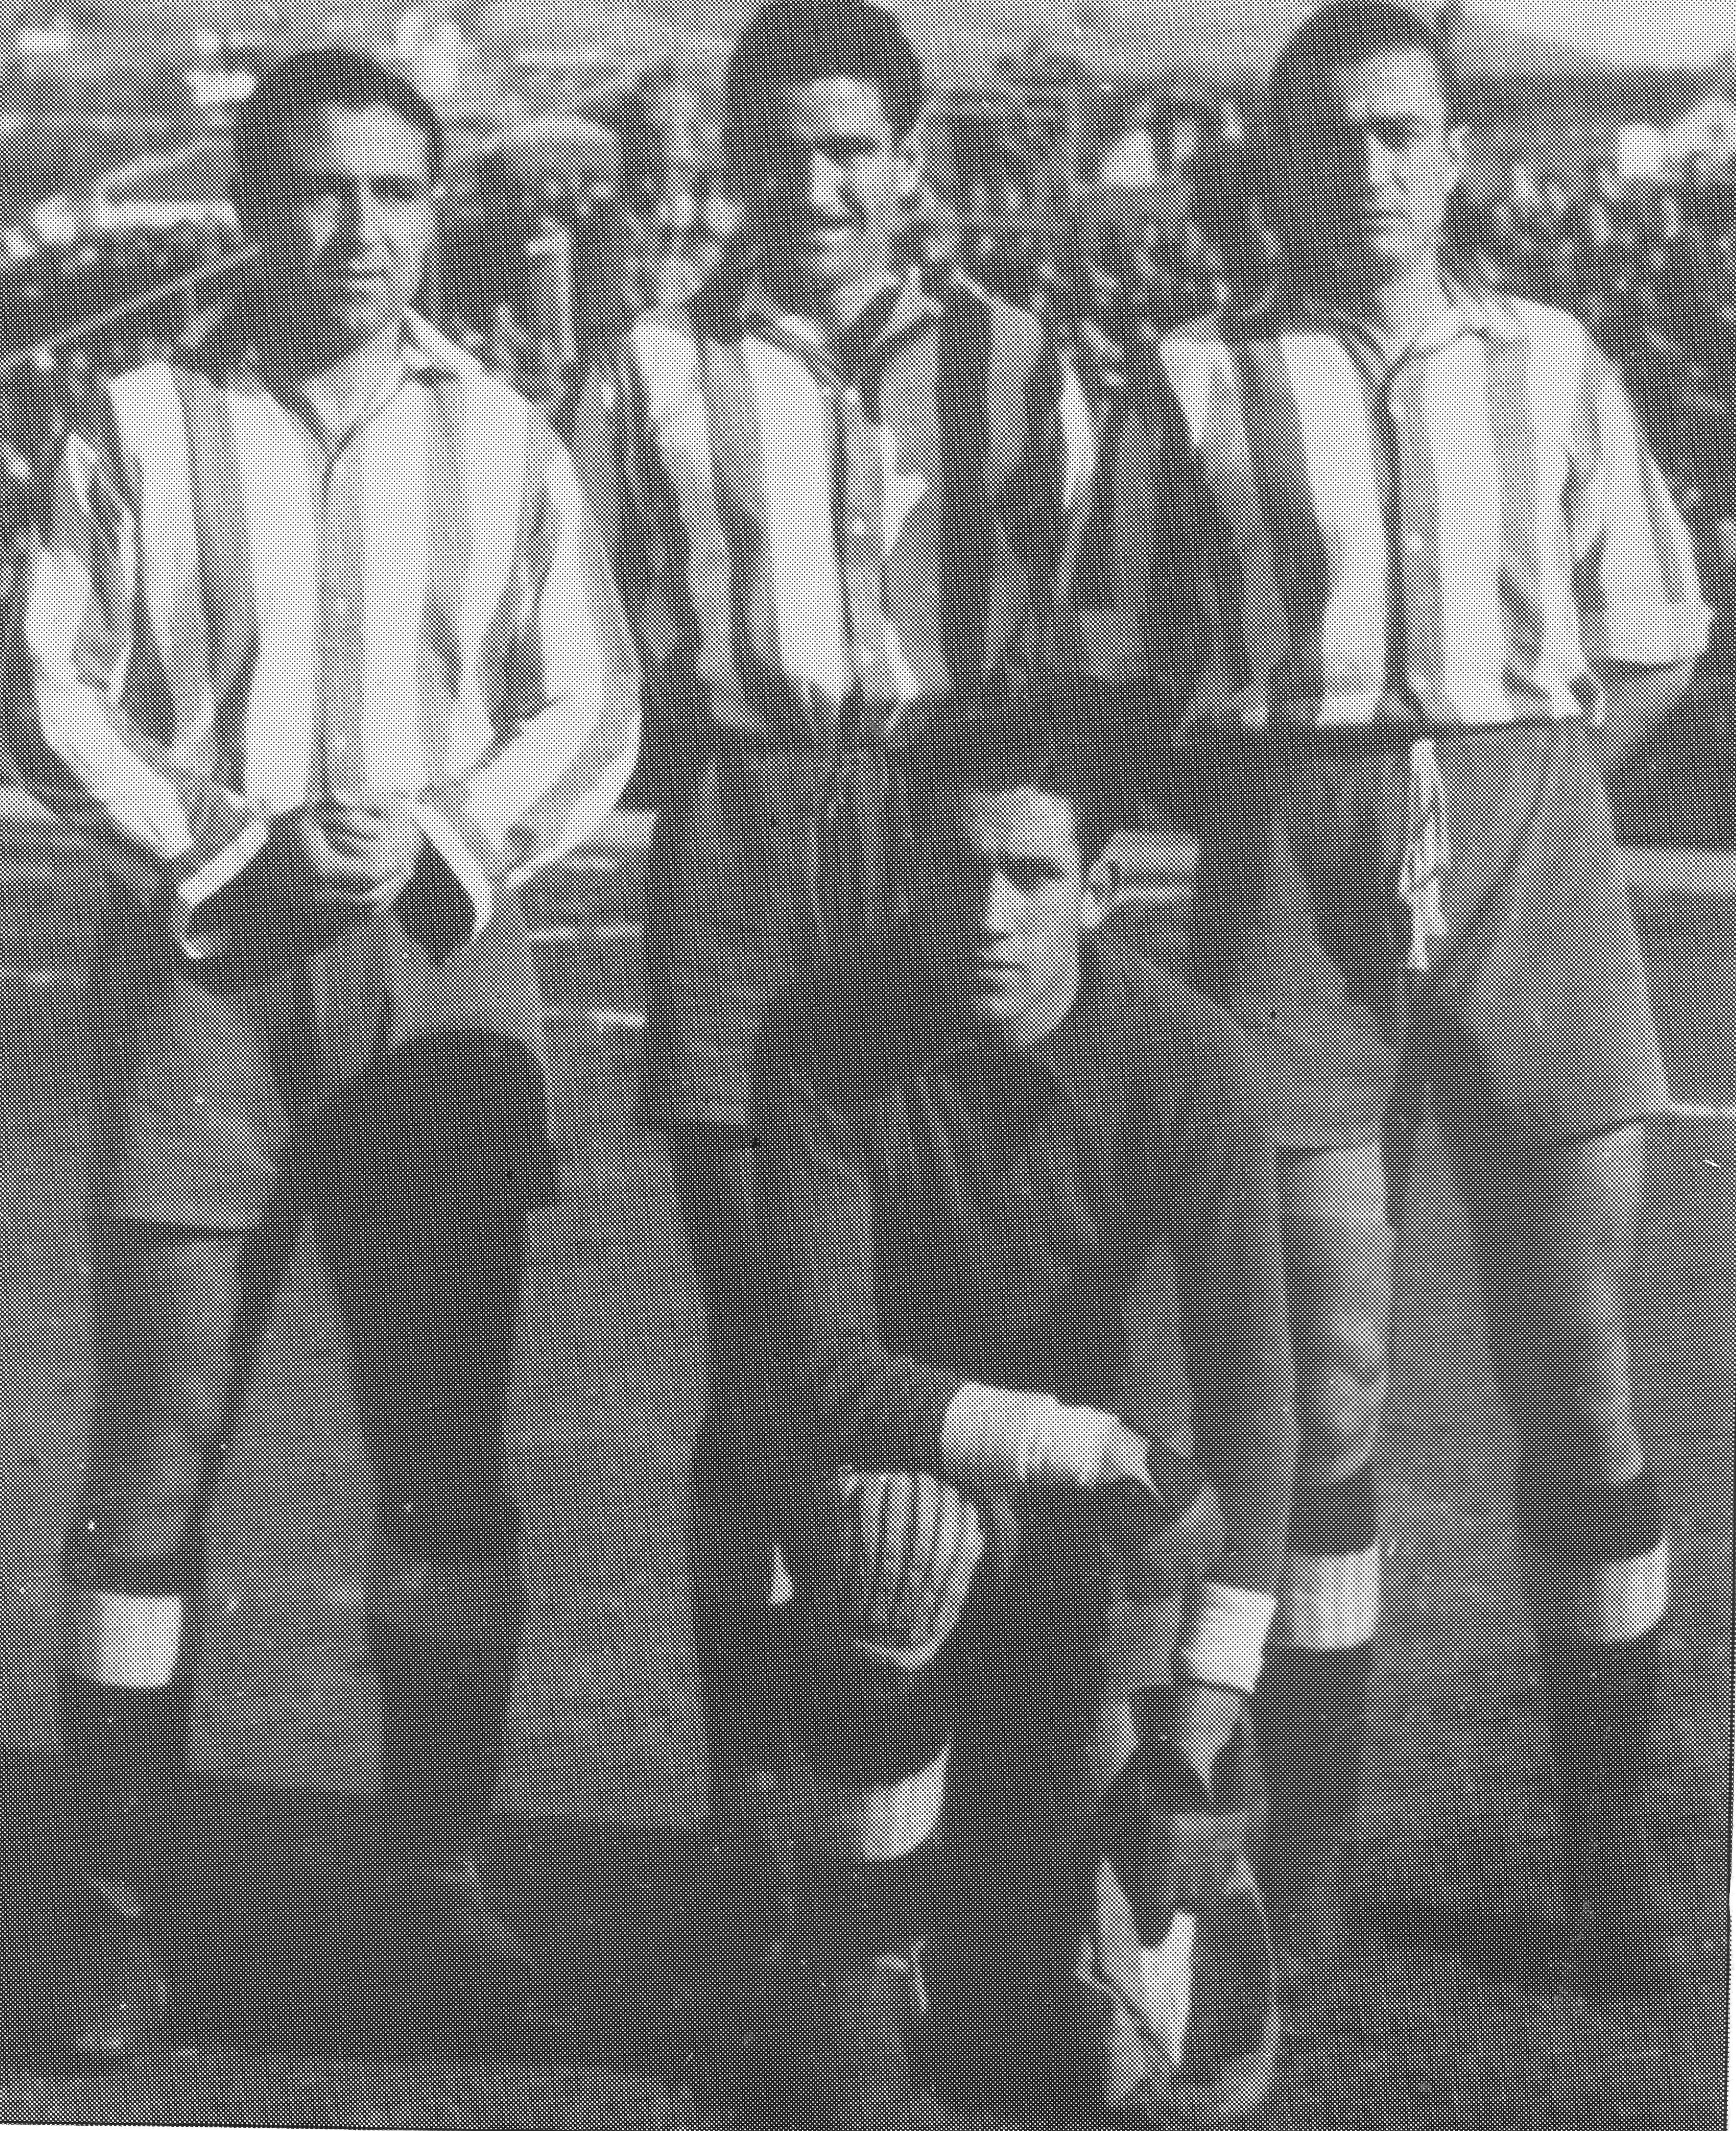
(1338,1256)
(140,1501)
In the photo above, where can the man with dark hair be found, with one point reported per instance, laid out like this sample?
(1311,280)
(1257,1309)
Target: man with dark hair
(1404,550)
(824,478)
(290,92)
(318,644)
(1006,1186)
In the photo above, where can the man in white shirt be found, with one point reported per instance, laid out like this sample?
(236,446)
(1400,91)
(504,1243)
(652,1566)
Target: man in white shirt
(828,481)
(318,644)
(1404,538)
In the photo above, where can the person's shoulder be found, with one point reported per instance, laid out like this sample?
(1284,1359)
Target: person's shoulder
(134,414)
(1167,1037)
(662,350)
(824,1061)
(1020,342)
(963,300)
(1210,340)
(1550,332)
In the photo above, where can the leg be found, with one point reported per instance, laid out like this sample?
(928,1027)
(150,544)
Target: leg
(170,1342)
(1311,1711)
(731,1569)
(1555,1234)
(427,1271)
(881,1568)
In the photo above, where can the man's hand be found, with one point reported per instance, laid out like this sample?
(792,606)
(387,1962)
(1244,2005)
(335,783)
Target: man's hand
(355,849)
(1207,1720)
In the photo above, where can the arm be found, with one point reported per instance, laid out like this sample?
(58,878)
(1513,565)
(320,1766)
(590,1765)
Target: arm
(1643,620)
(1631,701)
(1224,1263)
(1050,486)
(841,1394)
(565,681)
(80,742)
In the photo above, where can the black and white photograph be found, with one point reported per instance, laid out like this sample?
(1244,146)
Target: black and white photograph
(867,1065)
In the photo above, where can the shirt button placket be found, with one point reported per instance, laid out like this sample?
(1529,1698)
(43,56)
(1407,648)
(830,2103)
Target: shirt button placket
(861,556)
(341,657)
(1412,561)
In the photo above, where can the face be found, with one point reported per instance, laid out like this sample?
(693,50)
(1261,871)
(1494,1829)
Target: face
(832,185)
(1384,160)
(1009,894)
(350,221)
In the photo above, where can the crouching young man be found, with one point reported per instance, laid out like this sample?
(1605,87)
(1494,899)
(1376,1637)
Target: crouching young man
(1023,1584)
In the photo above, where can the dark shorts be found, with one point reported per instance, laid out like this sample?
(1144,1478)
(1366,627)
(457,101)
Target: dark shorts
(737,869)
(1534,1026)
(222,1084)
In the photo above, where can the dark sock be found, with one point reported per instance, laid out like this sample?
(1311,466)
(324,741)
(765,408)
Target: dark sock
(863,1988)
(126,1754)
(1311,1708)
(445,1706)
(1598,1551)
(865,1909)
(1310,1721)
(1600,1710)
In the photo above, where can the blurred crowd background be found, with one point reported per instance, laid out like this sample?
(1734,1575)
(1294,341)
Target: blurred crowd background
(1119,208)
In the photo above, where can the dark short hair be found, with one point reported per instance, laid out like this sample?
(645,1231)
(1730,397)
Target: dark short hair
(789,43)
(287,92)
(1344,35)
(1036,747)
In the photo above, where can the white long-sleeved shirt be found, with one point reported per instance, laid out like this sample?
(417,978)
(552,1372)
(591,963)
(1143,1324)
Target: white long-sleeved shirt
(1462,536)
(224,619)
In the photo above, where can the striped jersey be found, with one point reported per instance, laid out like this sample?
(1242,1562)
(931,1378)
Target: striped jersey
(225,618)
(826,534)
(1458,537)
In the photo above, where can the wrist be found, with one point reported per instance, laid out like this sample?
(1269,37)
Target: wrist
(1225,1648)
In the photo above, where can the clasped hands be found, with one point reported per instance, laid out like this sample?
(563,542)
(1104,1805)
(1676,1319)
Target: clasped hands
(354,850)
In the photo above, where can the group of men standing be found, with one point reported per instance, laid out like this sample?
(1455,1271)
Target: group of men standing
(1046,1293)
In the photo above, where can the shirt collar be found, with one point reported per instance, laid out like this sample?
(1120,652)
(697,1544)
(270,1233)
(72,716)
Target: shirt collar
(1488,315)
(235,348)
(902,309)
(1060,1061)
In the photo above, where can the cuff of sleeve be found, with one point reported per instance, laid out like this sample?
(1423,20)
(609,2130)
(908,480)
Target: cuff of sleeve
(1000,1437)
(1227,1647)
(441,819)
(209,876)
(1666,636)
(987,1435)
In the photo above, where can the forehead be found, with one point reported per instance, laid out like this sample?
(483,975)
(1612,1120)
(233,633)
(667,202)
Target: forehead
(374,141)
(1394,84)
(1023,821)
(839,109)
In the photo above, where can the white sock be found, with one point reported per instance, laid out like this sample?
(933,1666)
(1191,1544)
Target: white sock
(118,1639)
(1332,1600)
(1617,1601)
(879,1827)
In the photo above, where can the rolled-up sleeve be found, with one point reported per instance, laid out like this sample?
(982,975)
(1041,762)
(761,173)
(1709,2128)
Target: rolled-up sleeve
(81,742)
(1634,578)
(565,682)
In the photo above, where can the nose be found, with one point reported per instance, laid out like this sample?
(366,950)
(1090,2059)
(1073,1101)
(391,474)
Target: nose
(1000,908)
(371,227)
(822,189)
(1378,160)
